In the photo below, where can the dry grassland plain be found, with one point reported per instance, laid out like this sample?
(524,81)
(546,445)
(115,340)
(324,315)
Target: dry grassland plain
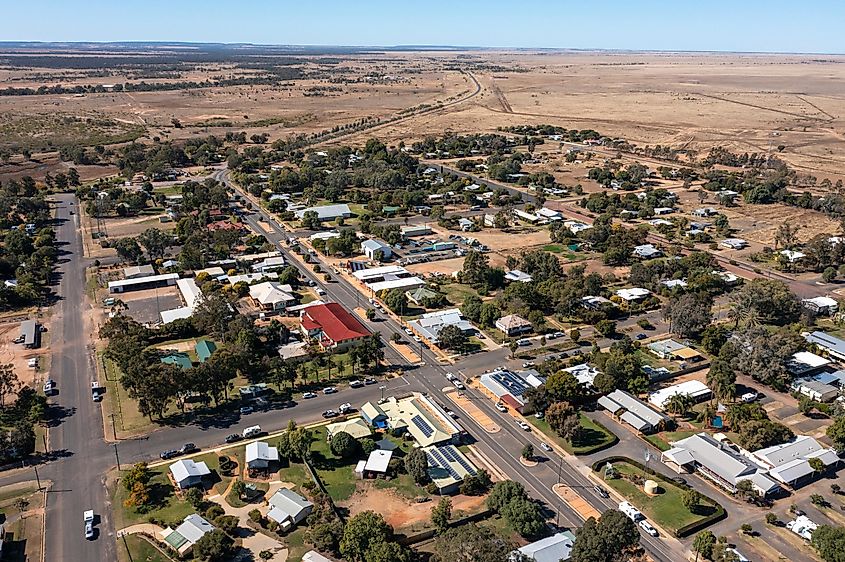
(744,102)
(792,105)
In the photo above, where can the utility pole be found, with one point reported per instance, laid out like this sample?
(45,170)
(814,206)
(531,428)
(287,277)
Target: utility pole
(37,479)
(113,430)
(116,456)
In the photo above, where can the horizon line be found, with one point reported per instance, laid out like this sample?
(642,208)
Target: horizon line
(409,47)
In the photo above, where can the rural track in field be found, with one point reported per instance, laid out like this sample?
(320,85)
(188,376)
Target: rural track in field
(762,107)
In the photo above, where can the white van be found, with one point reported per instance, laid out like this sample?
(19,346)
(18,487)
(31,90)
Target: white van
(252,431)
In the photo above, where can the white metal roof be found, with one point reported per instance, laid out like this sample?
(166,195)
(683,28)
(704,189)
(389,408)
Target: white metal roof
(261,451)
(378,461)
(692,388)
(186,468)
(143,280)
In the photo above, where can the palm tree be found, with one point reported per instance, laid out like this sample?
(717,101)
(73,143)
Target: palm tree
(678,404)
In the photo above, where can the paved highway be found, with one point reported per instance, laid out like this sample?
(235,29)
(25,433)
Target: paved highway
(78,478)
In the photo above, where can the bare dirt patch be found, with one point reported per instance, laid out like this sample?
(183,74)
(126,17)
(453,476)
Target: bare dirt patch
(18,356)
(397,511)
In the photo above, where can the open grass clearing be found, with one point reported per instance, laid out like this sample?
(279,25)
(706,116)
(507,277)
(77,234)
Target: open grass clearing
(139,550)
(594,437)
(165,505)
(666,509)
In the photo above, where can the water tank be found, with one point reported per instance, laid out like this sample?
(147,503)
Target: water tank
(650,487)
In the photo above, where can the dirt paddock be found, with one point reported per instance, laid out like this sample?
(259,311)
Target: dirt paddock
(399,512)
(16,355)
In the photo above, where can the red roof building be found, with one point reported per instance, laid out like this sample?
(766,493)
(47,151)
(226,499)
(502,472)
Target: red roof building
(224,225)
(332,326)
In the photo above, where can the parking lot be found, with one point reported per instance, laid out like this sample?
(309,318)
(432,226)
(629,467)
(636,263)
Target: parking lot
(145,306)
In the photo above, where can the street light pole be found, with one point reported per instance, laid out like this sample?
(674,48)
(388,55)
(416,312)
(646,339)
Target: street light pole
(382,388)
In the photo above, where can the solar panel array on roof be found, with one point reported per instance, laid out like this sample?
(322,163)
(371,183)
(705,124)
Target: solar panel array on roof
(515,384)
(450,453)
(423,425)
(444,464)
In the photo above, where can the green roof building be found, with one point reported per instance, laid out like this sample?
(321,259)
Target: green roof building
(177,358)
(204,349)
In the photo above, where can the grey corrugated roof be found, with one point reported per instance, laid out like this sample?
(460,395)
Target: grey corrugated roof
(288,501)
(826,341)
(637,407)
(717,458)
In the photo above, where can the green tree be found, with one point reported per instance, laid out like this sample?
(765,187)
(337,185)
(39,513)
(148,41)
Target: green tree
(344,445)
(155,242)
(679,404)
(9,383)
(836,432)
(528,451)
(214,546)
(503,493)
(525,517)
(128,250)
(564,420)
(194,497)
(829,541)
(452,338)
(396,301)
(563,386)
(361,532)
(606,327)
(389,552)
(703,544)
(688,314)
(441,514)
(721,379)
(310,220)
(416,465)
(691,500)
(605,540)
(471,543)
(829,274)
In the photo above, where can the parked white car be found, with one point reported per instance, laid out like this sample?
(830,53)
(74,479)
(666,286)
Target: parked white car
(645,526)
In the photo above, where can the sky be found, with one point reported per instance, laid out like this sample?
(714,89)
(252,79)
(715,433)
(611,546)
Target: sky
(808,26)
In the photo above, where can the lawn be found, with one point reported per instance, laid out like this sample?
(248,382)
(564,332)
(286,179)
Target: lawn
(593,439)
(23,536)
(456,293)
(662,440)
(166,506)
(335,473)
(665,509)
(222,482)
(338,476)
(140,550)
(295,541)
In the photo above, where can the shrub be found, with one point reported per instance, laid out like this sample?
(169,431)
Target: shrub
(214,511)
